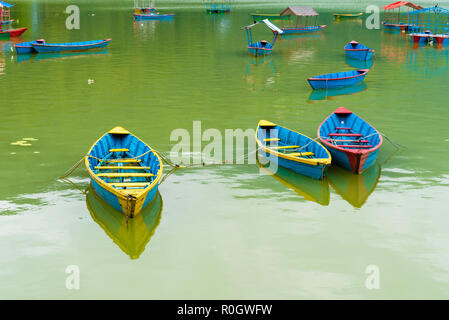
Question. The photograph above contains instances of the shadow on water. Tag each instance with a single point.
(131, 236)
(334, 92)
(308, 188)
(354, 188)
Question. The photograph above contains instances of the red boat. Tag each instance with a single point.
(13, 32)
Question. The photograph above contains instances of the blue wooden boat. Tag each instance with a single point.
(338, 79)
(153, 16)
(70, 46)
(263, 47)
(358, 51)
(7, 22)
(26, 47)
(292, 150)
(352, 142)
(124, 171)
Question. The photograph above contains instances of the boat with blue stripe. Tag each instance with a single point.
(153, 16)
(27, 47)
(70, 46)
(124, 171)
(292, 150)
(352, 142)
(338, 79)
(263, 47)
(356, 50)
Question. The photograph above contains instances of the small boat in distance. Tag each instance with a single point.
(352, 142)
(347, 15)
(358, 51)
(153, 15)
(11, 33)
(301, 13)
(26, 47)
(338, 79)
(124, 171)
(70, 46)
(293, 150)
(263, 47)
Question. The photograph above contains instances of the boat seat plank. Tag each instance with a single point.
(345, 135)
(123, 160)
(271, 139)
(124, 174)
(355, 146)
(119, 150)
(301, 154)
(122, 168)
(130, 184)
(343, 128)
(349, 140)
(285, 147)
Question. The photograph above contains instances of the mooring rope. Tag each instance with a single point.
(73, 168)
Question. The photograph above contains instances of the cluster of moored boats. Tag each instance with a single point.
(126, 172)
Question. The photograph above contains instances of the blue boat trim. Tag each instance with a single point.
(358, 51)
(71, 46)
(338, 79)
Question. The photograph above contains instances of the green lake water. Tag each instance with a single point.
(218, 231)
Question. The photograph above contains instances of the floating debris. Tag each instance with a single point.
(30, 139)
(12, 153)
(36, 152)
(22, 143)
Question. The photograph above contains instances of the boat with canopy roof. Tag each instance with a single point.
(263, 47)
(393, 19)
(302, 20)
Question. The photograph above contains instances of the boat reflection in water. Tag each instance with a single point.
(359, 64)
(323, 94)
(308, 188)
(260, 71)
(354, 188)
(68, 55)
(131, 236)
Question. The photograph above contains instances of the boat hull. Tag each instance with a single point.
(77, 46)
(143, 17)
(313, 163)
(338, 82)
(11, 33)
(257, 49)
(347, 15)
(345, 150)
(362, 54)
(126, 187)
(26, 47)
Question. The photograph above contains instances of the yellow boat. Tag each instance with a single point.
(124, 171)
(347, 15)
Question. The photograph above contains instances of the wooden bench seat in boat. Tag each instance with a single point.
(123, 160)
(122, 168)
(301, 154)
(119, 150)
(345, 135)
(343, 128)
(271, 139)
(342, 140)
(130, 184)
(124, 174)
(284, 147)
(354, 146)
